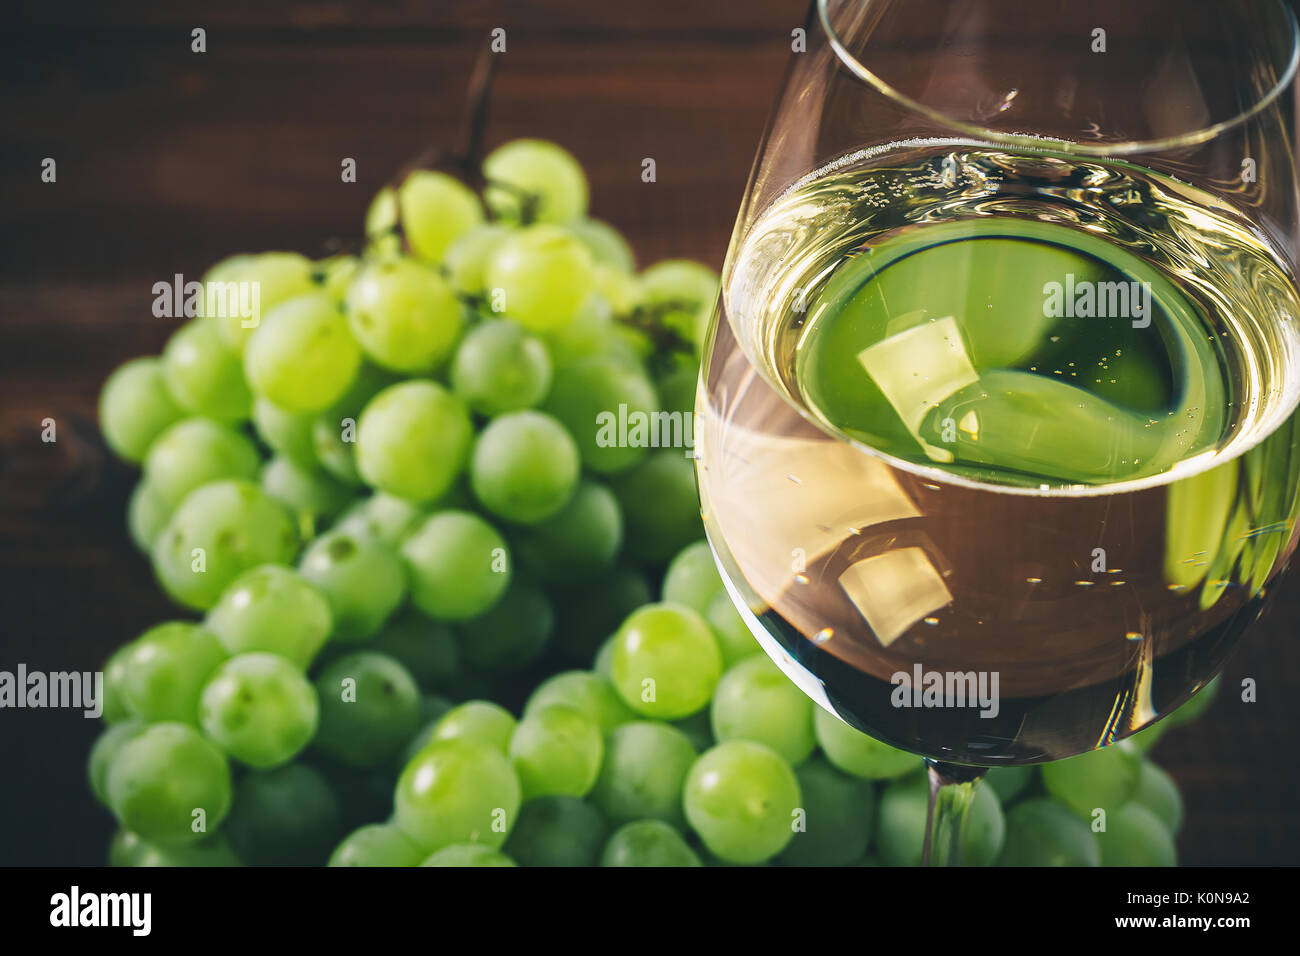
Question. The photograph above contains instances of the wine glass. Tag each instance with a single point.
(997, 440)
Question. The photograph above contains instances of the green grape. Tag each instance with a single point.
(229, 269)
(413, 439)
(332, 451)
(425, 648)
(589, 395)
(278, 277)
(666, 662)
(432, 709)
(685, 293)
(603, 662)
(647, 843)
(534, 180)
(106, 746)
(500, 367)
(369, 707)
(478, 721)
(692, 578)
(166, 670)
(524, 467)
(436, 210)
(901, 818)
(605, 243)
(210, 851)
(540, 276)
(468, 256)
(578, 542)
(837, 817)
(376, 844)
(1157, 792)
(592, 331)
(590, 611)
(169, 784)
(468, 854)
(382, 516)
(622, 291)
(259, 709)
(311, 496)
(288, 816)
(660, 505)
(1042, 833)
(677, 387)
(334, 431)
(302, 357)
(698, 729)
(642, 775)
(135, 407)
(457, 791)
(362, 578)
(1135, 836)
(1148, 736)
(1009, 782)
(404, 314)
(1104, 779)
(217, 533)
(587, 692)
(858, 754)
(985, 829)
(755, 701)
(272, 609)
(512, 634)
(115, 706)
(381, 226)
(194, 452)
(556, 750)
(146, 516)
(557, 831)
(741, 798)
(735, 640)
(126, 848)
(204, 374)
(458, 565)
(335, 275)
(1194, 707)
(634, 344)
(285, 433)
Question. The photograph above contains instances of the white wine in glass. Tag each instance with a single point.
(997, 437)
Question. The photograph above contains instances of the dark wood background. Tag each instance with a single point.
(169, 160)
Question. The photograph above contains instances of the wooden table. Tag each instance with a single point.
(170, 159)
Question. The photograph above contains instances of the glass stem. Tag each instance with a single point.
(952, 791)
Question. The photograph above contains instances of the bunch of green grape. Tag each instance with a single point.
(386, 502)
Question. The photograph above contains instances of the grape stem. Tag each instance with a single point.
(467, 162)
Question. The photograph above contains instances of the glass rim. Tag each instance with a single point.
(1122, 148)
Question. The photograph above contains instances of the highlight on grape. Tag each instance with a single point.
(455, 606)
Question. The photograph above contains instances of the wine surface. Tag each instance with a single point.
(1001, 450)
